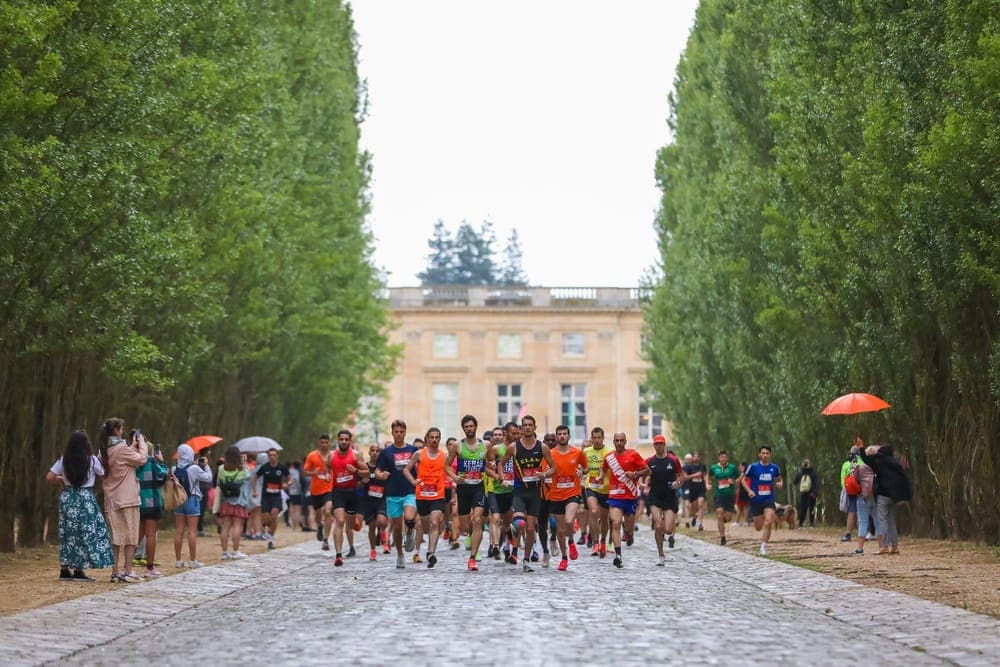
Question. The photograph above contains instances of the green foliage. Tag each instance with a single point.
(469, 258)
(828, 224)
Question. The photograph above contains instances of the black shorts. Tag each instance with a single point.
(666, 501)
(500, 503)
(726, 503)
(757, 509)
(372, 507)
(527, 501)
(469, 497)
(558, 507)
(697, 491)
(319, 501)
(602, 498)
(270, 501)
(425, 507)
(150, 513)
(295, 499)
(345, 499)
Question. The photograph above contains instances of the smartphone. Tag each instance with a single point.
(135, 436)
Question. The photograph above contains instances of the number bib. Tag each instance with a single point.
(530, 474)
(725, 484)
(428, 491)
(763, 489)
(473, 477)
(343, 479)
(616, 492)
(273, 487)
(565, 482)
(376, 491)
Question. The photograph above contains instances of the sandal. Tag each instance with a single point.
(883, 551)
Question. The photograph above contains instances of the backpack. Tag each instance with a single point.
(852, 485)
(182, 476)
(805, 484)
(230, 489)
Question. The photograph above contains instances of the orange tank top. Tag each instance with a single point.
(431, 474)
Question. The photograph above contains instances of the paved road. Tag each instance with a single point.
(710, 605)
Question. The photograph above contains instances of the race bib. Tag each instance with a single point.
(343, 479)
(725, 484)
(273, 487)
(530, 475)
(616, 492)
(376, 491)
(763, 489)
(428, 491)
(565, 482)
(401, 460)
(473, 477)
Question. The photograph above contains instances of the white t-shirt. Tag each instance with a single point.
(96, 470)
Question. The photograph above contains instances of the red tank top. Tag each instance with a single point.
(338, 467)
(431, 474)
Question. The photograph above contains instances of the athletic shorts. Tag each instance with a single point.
(602, 498)
(667, 502)
(319, 501)
(448, 494)
(295, 499)
(270, 501)
(470, 496)
(425, 507)
(500, 503)
(697, 491)
(559, 506)
(527, 502)
(373, 507)
(345, 499)
(627, 507)
(726, 503)
(757, 509)
(394, 504)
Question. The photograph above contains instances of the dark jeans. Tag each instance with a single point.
(807, 507)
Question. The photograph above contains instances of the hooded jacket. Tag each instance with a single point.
(890, 478)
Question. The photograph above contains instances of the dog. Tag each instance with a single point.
(786, 514)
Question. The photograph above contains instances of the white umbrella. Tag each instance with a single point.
(256, 443)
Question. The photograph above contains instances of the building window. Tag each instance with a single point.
(509, 346)
(444, 405)
(650, 421)
(508, 403)
(445, 346)
(572, 345)
(573, 410)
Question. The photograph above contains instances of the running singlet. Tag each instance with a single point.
(724, 479)
(597, 480)
(315, 466)
(566, 481)
(507, 473)
(431, 474)
(528, 464)
(664, 475)
(392, 460)
(762, 478)
(375, 487)
(630, 461)
(472, 463)
(274, 476)
(342, 479)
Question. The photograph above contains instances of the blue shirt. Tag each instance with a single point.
(762, 478)
(393, 459)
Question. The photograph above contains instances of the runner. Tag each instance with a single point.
(400, 501)
(317, 466)
(760, 481)
(499, 495)
(450, 527)
(470, 457)
(374, 505)
(546, 522)
(666, 475)
(348, 468)
(625, 467)
(696, 472)
(565, 492)
(276, 477)
(431, 471)
(596, 492)
(742, 499)
(527, 453)
(724, 476)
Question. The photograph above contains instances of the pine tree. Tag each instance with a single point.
(474, 254)
(441, 269)
(512, 271)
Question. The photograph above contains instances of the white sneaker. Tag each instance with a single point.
(178, 563)
(194, 565)
(225, 555)
(545, 560)
(237, 555)
(662, 561)
(763, 549)
(869, 536)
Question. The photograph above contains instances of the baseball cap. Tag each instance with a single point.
(659, 438)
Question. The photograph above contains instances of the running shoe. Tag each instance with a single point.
(661, 561)
(468, 542)
(545, 559)
(193, 564)
(351, 553)
(431, 560)
(385, 547)
(670, 541)
(225, 555)
(701, 527)
(525, 568)
(582, 540)
(178, 564)
(237, 555)
(408, 541)
(326, 545)
(371, 556)
(604, 550)
(400, 563)
(270, 544)
(512, 559)
(618, 562)
(846, 537)
(573, 553)
(629, 539)
(472, 565)
(417, 558)
(496, 552)
(596, 551)
(456, 545)
(338, 561)
(563, 565)
(319, 533)
(722, 541)
(858, 552)
(590, 540)
(763, 549)
(534, 556)
(869, 536)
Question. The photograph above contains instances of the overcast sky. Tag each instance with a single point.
(544, 116)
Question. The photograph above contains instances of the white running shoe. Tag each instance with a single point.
(662, 561)
(237, 555)
(193, 564)
(763, 548)
(178, 564)
(225, 555)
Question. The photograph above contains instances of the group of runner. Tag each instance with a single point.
(516, 488)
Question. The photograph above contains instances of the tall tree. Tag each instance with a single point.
(441, 260)
(510, 263)
(474, 254)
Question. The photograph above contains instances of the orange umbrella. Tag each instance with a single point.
(200, 442)
(852, 404)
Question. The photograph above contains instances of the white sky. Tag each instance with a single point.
(539, 115)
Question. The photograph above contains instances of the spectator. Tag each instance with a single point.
(866, 505)
(189, 474)
(295, 496)
(84, 541)
(892, 486)
(255, 529)
(151, 475)
(232, 495)
(121, 495)
(849, 504)
(206, 506)
(807, 482)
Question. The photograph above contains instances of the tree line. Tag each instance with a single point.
(829, 223)
(182, 243)
(469, 257)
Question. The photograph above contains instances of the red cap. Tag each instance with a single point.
(659, 438)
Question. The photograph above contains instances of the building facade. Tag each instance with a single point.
(564, 355)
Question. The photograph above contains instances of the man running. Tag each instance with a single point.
(431, 470)
(374, 504)
(760, 481)
(596, 491)
(695, 472)
(564, 492)
(471, 457)
(625, 467)
(348, 468)
(276, 478)
(500, 494)
(527, 453)
(400, 500)
(666, 475)
(724, 477)
(317, 466)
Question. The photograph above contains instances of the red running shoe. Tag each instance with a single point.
(596, 551)
(604, 550)
(563, 564)
(338, 561)
(371, 556)
(472, 565)
(573, 553)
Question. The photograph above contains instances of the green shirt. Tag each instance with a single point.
(724, 479)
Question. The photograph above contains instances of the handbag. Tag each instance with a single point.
(174, 494)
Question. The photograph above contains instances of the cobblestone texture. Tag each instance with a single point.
(709, 605)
